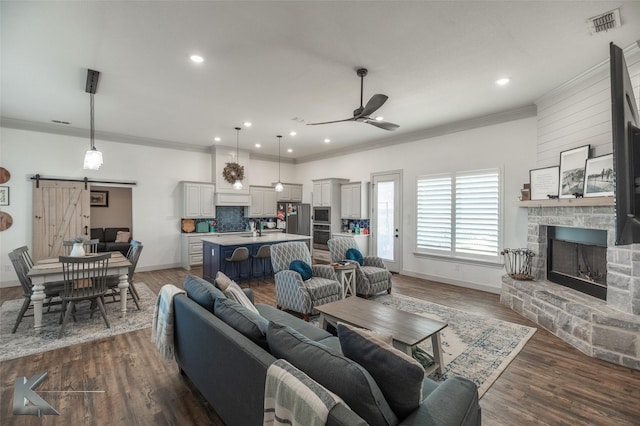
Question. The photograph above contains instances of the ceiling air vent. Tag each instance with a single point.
(604, 22)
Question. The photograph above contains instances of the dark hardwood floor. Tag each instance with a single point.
(549, 382)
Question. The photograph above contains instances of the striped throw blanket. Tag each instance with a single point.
(162, 328)
(293, 398)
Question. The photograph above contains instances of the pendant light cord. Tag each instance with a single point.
(92, 122)
(279, 139)
(237, 144)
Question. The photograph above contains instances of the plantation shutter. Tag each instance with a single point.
(434, 209)
(477, 210)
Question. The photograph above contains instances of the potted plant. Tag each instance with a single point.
(78, 247)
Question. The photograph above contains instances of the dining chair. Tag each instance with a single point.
(84, 279)
(21, 265)
(90, 246)
(112, 281)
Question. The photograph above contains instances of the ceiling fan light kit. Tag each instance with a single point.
(362, 113)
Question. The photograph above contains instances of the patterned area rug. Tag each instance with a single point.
(475, 347)
(26, 342)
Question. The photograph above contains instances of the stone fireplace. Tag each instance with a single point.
(605, 326)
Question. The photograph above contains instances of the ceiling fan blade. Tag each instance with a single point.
(329, 122)
(372, 106)
(382, 124)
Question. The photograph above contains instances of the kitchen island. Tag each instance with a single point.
(219, 247)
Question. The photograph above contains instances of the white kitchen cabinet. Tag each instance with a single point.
(198, 200)
(355, 200)
(326, 193)
(263, 202)
(221, 155)
(290, 192)
(236, 199)
(191, 250)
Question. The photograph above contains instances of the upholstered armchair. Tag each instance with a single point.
(292, 292)
(372, 276)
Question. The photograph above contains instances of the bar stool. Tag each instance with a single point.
(239, 255)
(263, 253)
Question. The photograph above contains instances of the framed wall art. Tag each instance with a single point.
(572, 165)
(599, 177)
(99, 198)
(4, 195)
(544, 182)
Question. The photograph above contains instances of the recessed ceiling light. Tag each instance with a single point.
(292, 133)
(290, 150)
(503, 81)
(379, 118)
(197, 59)
(217, 139)
(327, 140)
(258, 145)
(247, 124)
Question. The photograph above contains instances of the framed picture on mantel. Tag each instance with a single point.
(544, 182)
(572, 164)
(599, 177)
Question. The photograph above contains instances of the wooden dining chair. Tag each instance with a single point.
(84, 279)
(20, 259)
(132, 255)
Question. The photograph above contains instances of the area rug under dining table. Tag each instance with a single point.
(475, 347)
(26, 342)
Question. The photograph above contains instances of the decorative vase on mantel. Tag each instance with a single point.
(77, 250)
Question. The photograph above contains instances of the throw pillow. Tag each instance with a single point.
(301, 267)
(354, 254)
(384, 337)
(202, 292)
(252, 325)
(338, 374)
(122, 237)
(399, 376)
(234, 292)
(222, 281)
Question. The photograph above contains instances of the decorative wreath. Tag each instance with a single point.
(233, 172)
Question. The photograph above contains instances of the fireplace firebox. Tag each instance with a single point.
(577, 258)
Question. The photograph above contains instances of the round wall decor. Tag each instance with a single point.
(233, 172)
(4, 175)
(5, 221)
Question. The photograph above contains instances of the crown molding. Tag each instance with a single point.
(459, 126)
(60, 129)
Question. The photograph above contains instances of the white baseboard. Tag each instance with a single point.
(157, 267)
(7, 284)
(445, 280)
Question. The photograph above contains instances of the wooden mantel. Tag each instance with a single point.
(569, 202)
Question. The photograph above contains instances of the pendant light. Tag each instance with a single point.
(237, 185)
(279, 186)
(93, 157)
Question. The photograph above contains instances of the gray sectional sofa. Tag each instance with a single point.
(226, 357)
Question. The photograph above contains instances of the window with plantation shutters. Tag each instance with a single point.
(458, 214)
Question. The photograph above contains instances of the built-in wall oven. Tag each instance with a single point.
(322, 215)
(321, 234)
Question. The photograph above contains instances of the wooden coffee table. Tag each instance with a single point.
(406, 328)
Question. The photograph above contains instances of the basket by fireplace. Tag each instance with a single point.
(517, 262)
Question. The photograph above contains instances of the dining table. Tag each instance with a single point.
(50, 271)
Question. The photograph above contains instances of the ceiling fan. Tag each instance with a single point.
(362, 114)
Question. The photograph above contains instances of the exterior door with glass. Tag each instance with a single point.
(387, 218)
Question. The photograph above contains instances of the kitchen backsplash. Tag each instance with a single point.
(231, 219)
(360, 223)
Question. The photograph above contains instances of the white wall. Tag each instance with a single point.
(510, 146)
(156, 198)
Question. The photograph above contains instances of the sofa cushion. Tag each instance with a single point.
(202, 292)
(111, 233)
(247, 322)
(399, 376)
(340, 375)
(122, 237)
(301, 267)
(284, 318)
(222, 281)
(234, 292)
(354, 254)
(97, 233)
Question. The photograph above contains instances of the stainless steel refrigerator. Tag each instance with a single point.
(297, 217)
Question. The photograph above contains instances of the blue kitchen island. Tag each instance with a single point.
(217, 248)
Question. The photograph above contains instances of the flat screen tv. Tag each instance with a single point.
(626, 150)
